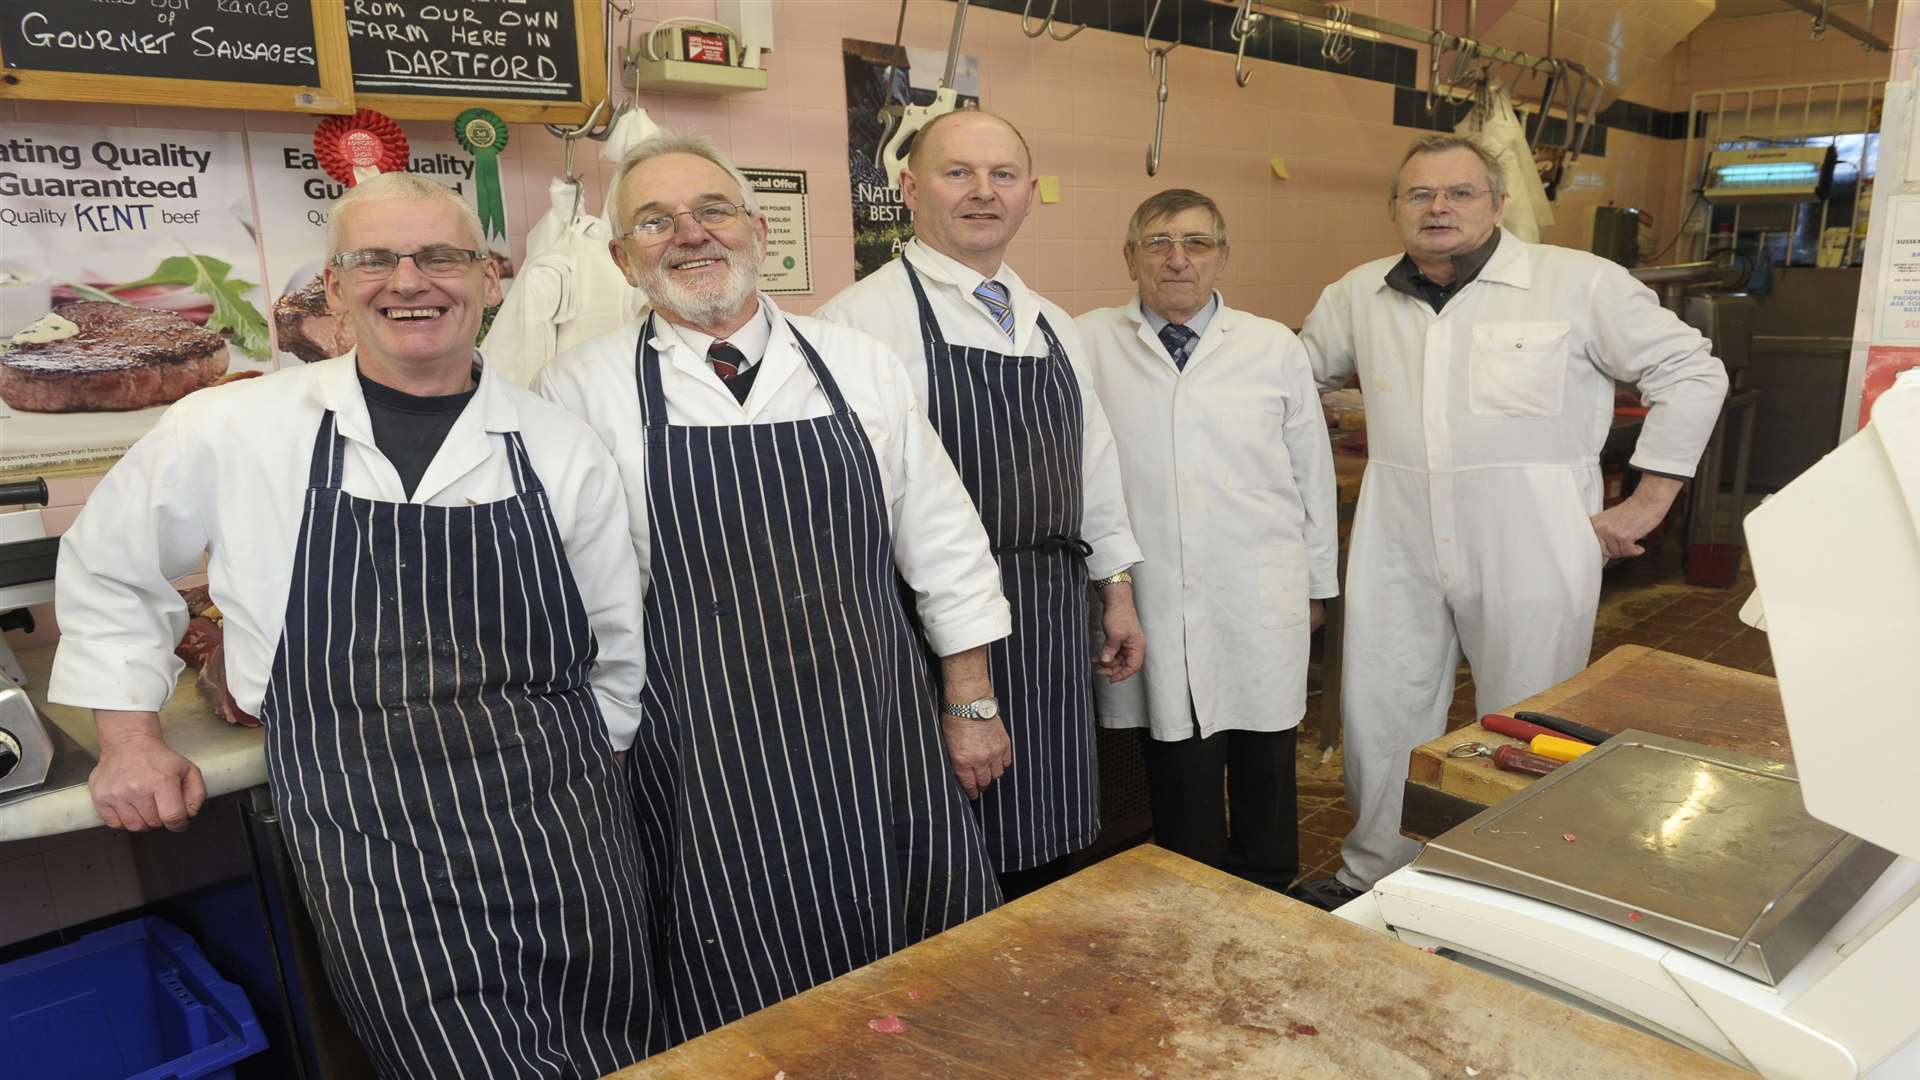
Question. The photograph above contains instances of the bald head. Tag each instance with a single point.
(927, 140)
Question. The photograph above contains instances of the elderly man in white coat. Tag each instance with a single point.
(1002, 375)
(797, 814)
(1230, 487)
(438, 634)
(1488, 366)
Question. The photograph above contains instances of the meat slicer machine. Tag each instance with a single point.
(30, 747)
(1762, 913)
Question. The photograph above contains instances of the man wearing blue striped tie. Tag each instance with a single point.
(1001, 374)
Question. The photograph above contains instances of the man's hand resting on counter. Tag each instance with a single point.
(140, 783)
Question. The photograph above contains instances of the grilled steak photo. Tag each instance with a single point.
(306, 327)
(122, 358)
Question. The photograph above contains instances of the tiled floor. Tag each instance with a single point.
(1644, 602)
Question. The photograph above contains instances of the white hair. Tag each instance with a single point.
(402, 186)
(660, 144)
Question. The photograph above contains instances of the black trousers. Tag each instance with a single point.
(1195, 782)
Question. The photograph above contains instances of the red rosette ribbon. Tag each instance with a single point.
(352, 148)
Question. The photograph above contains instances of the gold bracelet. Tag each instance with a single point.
(1121, 578)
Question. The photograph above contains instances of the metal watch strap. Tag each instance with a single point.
(1124, 577)
(970, 710)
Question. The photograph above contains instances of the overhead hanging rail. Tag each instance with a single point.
(1824, 20)
(1338, 19)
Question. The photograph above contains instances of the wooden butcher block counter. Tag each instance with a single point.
(1631, 687)
(1151, 965)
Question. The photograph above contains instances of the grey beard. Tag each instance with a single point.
(743, 276)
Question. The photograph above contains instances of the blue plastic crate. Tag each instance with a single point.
(136, 1001)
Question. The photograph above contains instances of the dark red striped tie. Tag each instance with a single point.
(726, 360)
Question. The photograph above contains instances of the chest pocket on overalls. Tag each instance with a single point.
(1517, 369)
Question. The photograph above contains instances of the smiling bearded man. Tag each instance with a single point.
(796, 813)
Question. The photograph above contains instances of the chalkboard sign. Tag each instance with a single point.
(524, 59)
(256, 54)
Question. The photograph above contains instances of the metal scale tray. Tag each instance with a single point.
(1708, 850)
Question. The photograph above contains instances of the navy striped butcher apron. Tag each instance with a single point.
(796, 810)
(1014, 428)
(445, 783)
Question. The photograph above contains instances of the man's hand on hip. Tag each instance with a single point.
(1621, 527)
(979, 749)
(140, 783)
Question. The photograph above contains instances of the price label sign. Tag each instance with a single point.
(702, 47)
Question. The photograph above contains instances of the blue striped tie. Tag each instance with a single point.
(1179, 342)
(999, 305)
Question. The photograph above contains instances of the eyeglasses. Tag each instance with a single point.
(1195, 246)
(374, 264)
(1464, 195)
(711, 216)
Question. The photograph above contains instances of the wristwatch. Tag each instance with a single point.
(985, 708)
(1121, 578)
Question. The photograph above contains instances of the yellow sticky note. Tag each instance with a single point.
(1279, 167)
(1049, 189)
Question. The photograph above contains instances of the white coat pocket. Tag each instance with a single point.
(1517, 369)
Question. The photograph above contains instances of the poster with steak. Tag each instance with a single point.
(128, 279)
(294, 193)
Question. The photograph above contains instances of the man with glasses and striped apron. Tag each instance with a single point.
(997, 370)
(428, 613)
(796, 811)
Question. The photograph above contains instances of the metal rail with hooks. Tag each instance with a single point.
(1046, 27)
(594, 128)
(1824, 20)
(1157, 63)
(1466, 50)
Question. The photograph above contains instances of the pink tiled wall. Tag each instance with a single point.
(1087, 107)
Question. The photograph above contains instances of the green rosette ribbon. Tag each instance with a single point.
(484, 135)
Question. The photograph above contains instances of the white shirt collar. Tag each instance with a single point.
(1197, 324)
(751, 339)
(950, 271)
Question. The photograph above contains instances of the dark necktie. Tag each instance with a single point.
(1179, 342)
(726, 360)
(728, 363)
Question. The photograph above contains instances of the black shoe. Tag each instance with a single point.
(1325, 893)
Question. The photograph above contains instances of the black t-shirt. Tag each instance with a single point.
(410, 429)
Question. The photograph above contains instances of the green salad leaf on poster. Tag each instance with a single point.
(88, 292)
(208, 277)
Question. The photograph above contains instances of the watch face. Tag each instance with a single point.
(986, 708)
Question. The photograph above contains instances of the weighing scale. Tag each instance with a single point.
(1761, 913)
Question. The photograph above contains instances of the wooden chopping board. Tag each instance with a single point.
(1151, 965)
(1631, 687)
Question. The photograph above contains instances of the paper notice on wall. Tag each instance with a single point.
(788, 268)
(128, 279)
(294, 194)
(1899, 293)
